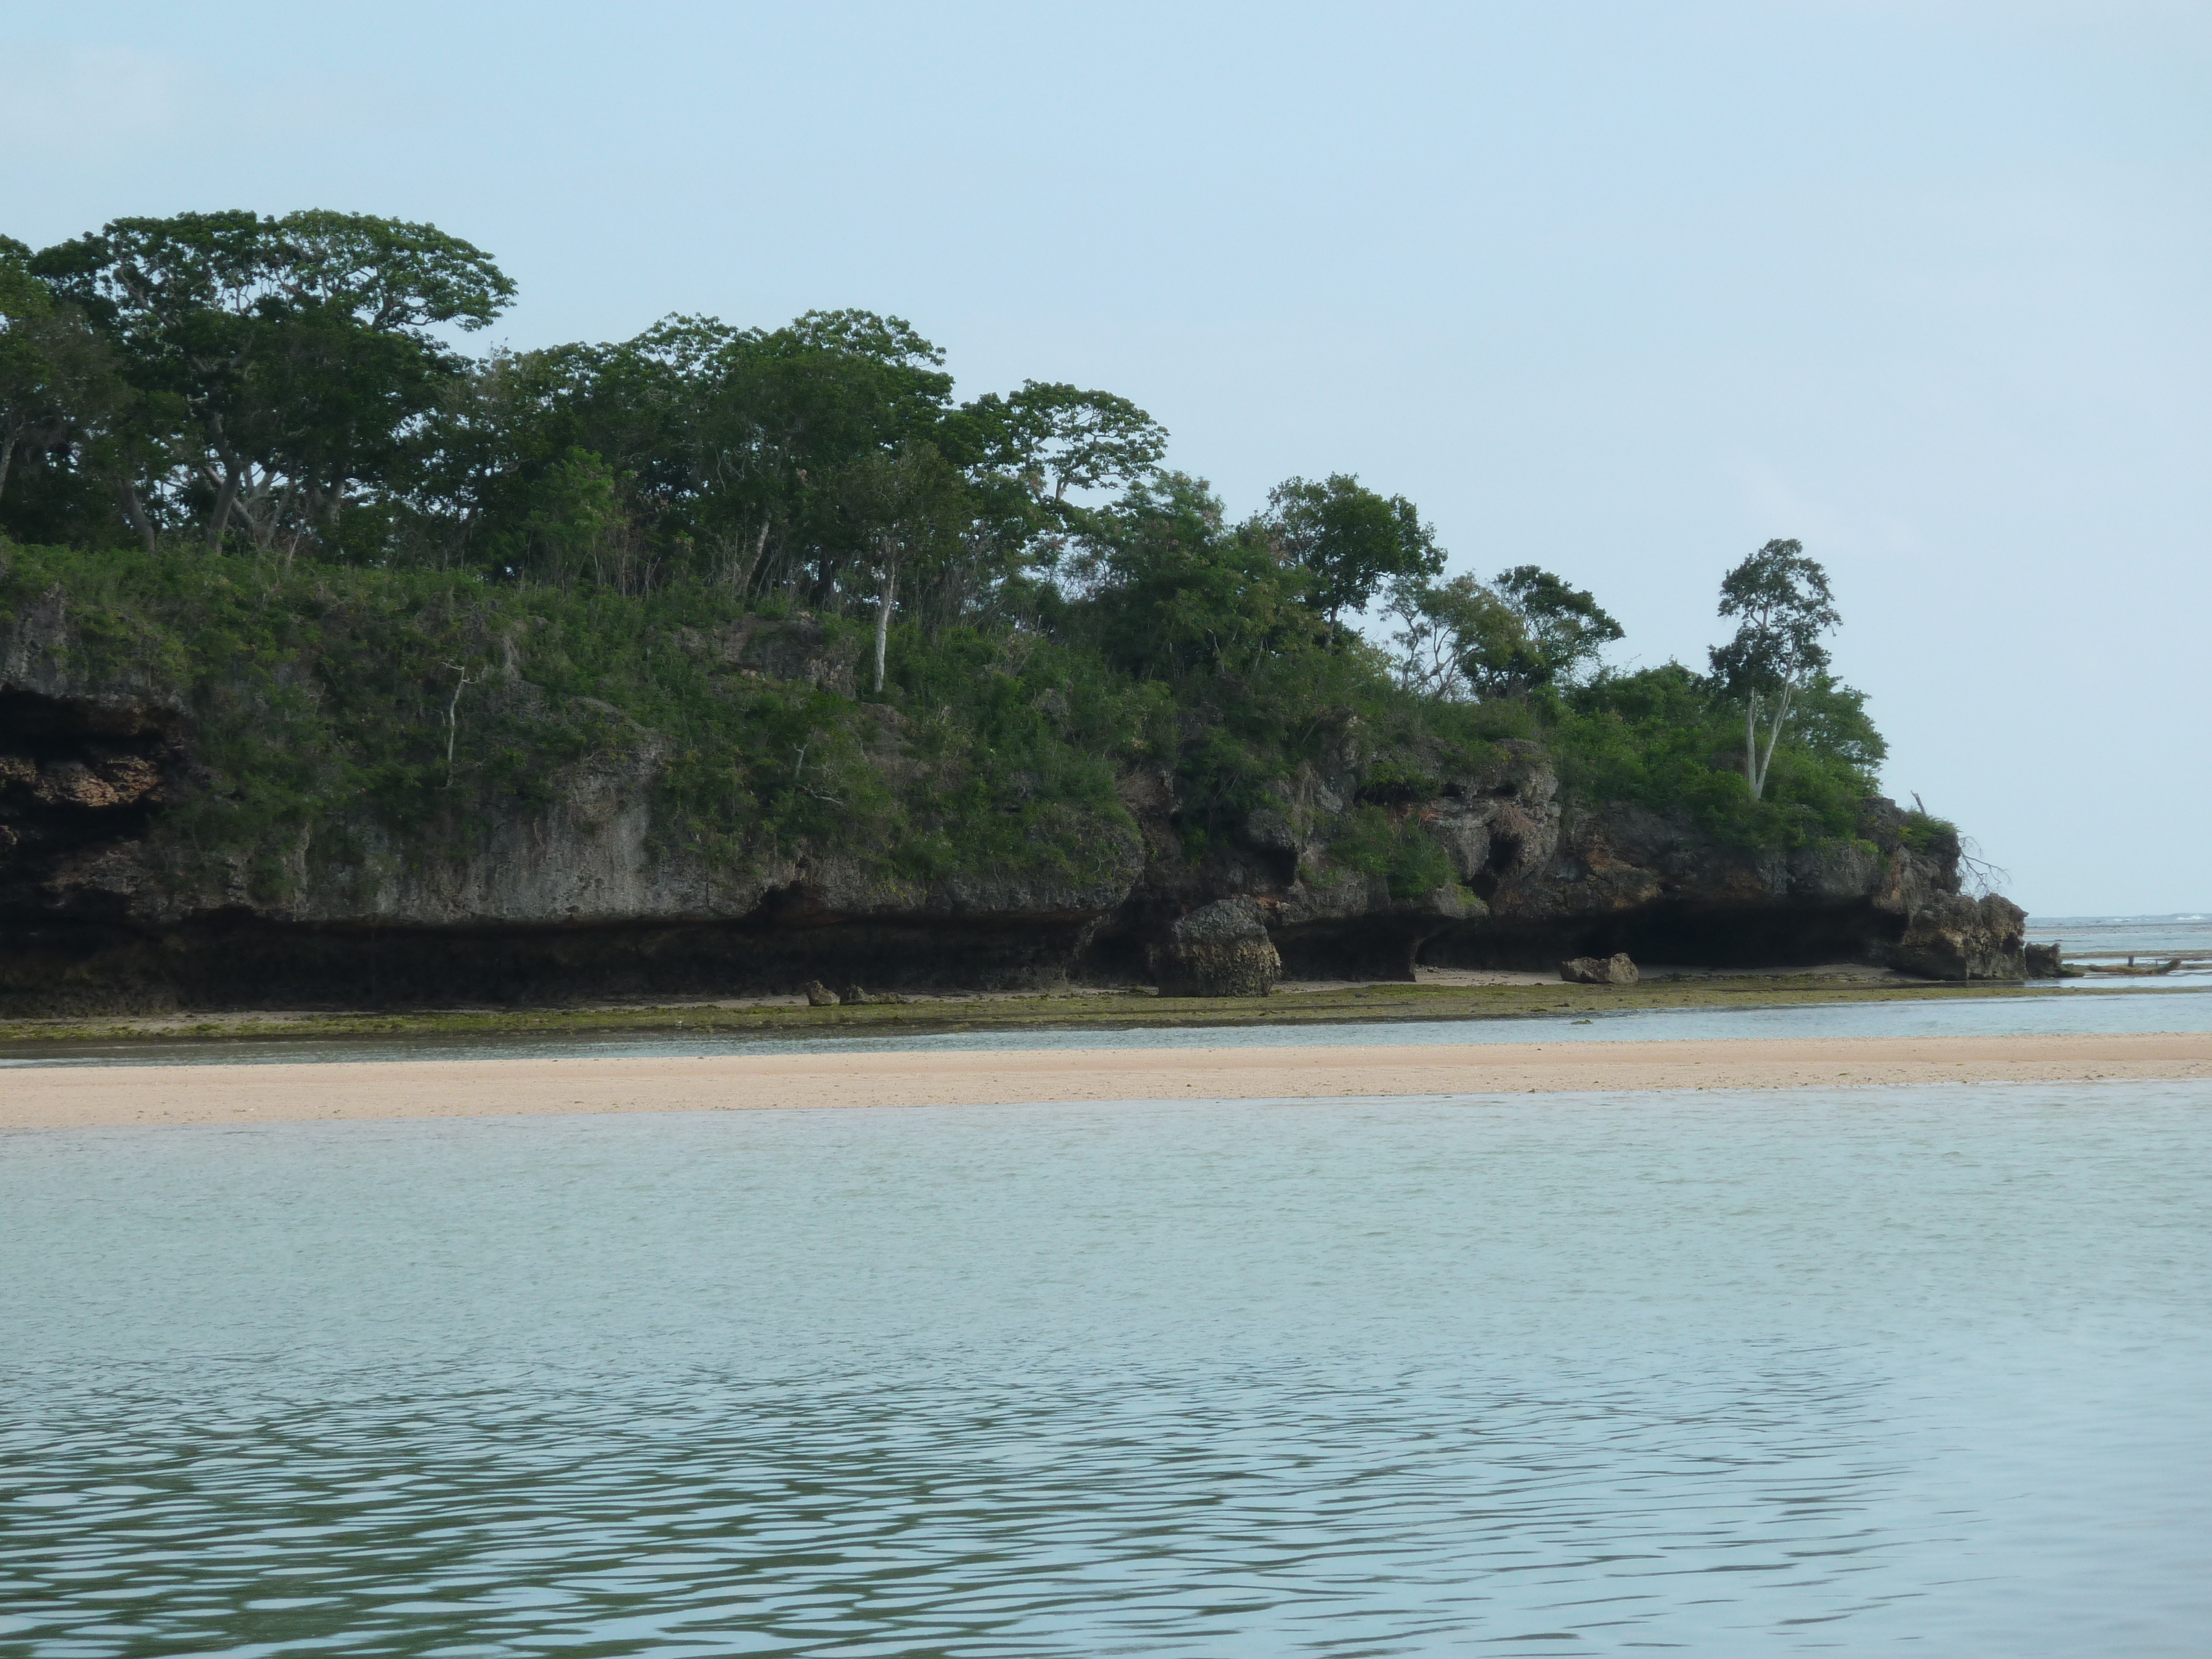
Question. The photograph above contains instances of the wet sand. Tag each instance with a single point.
(80, 1097)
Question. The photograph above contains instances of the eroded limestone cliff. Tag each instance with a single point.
(572, 890)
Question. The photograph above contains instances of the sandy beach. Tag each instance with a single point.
(78, 1097)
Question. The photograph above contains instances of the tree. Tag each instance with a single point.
(1056, 437)
(1457, 639)
(298, 348)
(1783, 599)
(27, 400)
(577, 519)
(1348, 541)
(1462, 638)
(1566, 627)
(906, 509)
(1172, 591)
(63, 407)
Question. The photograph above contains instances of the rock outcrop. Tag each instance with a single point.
(1956, 938)
(1219, 949)
(573, 889)
(1615, 969)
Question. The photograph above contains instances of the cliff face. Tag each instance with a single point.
(1533, 882)
(573, 890)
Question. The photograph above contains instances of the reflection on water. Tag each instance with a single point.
(1267, 1511)
(1773, 1373)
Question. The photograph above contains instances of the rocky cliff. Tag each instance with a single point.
(571, 888)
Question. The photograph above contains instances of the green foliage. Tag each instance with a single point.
(1376, 841)
(1057, 437)
(1783, 604)
(1924, 832)
(1346, 540)
(1781, 599)
(1459, 639)
(1564, 627)
(319, 697)
(1175, 593)
(1527, 631)
(405, 589)
(1667, 738)
(279, 364)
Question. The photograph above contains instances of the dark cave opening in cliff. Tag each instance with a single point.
(1505, 852)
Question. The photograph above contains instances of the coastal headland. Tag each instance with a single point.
(88, 1096)
(731, 662)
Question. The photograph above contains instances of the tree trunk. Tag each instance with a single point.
(226, 498)
(134, 511)
(1773, 736)
(884, 619)
(742, 584)
(453, 719)
(8, 442)
(1751, 743)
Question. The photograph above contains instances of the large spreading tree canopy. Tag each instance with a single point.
(294, 352)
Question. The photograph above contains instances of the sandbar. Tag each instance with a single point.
(93, 1096)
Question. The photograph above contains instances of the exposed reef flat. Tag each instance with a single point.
(1511, 998)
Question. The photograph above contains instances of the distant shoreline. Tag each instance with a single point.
(108, 1096)
(1497, 996)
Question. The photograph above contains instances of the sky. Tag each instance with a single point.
(1622, 290)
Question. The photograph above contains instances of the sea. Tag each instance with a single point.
(2183, 939)
(1856, 1370)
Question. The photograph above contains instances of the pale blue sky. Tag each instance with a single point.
(1624, 291)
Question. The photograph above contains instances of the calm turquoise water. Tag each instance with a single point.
(1921, 1370)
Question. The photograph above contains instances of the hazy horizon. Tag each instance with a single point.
(1619, 292)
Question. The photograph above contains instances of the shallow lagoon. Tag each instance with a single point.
(1813, 1371)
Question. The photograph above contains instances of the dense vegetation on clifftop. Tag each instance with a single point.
(822, 603)
(431, 700)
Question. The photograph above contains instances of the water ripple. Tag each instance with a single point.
(1720, 1375)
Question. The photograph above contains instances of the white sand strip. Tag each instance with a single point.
(84, 1096)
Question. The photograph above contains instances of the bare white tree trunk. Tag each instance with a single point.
(1773, 736)
(453, 716)
(884, 618)
(1756, 759)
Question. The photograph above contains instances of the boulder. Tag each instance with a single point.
(819, 995)
(1615, 969)
(1219, 949)
(1958, 938)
